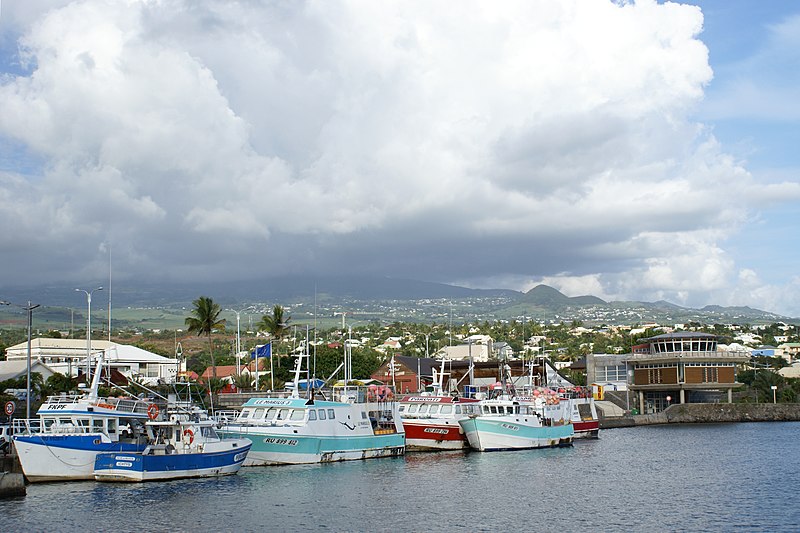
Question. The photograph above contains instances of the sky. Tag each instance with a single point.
(630, 150)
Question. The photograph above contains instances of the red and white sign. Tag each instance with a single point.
(10, 406)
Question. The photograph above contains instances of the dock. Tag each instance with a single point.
(707, 413)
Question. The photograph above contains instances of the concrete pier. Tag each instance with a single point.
(709, 413)
(11, 485)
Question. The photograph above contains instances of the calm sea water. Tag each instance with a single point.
(731, 477)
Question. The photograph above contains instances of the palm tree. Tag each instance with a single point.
(275, 324)
(204, 320)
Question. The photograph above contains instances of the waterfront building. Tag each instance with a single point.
(609, 371)
(683, 367)
(68, 356)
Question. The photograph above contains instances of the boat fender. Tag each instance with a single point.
(188, 434)
(152, 411)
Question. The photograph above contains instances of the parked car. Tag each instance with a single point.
(6, 430)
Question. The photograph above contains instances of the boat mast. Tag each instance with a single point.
(93, 392)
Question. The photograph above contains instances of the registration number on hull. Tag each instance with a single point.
(284, 442)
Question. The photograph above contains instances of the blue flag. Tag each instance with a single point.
(262, 351)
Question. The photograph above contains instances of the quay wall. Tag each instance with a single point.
(709, 413)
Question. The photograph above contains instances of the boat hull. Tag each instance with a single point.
(587, 429)
(423, 435)
(138, 467)
(514, 433)
(285, 448)
(64, 457)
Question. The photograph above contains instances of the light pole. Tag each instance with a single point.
(88, 330)
(774, 397)
(29, 308)
(238, 335)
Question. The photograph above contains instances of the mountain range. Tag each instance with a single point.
(353, 291)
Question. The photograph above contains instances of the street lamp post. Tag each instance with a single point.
(774, 393)
(29, 308)
(88, 330)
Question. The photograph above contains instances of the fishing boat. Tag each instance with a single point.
(185, 445)
(583, 413)
(430, 420)
(357, 422)
(509, 422)
(63, 442)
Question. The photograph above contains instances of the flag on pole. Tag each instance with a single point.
(261, 351)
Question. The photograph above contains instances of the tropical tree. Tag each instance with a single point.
(204, 320)
(243, 381)
(276, 324)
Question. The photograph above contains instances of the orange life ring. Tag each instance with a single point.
(188, 433)
(152, 411)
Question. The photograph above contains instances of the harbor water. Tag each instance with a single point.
(725, 477)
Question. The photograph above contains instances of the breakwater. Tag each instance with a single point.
(709, 413)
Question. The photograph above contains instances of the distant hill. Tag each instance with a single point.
(545, 296)
(404, 299)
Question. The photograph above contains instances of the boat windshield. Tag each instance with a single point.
(208, 432)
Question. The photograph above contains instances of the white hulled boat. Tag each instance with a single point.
(356, 423)
(509, 422)
(62, 443)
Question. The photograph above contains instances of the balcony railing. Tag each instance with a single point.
(737, 355)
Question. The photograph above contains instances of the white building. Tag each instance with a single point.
(68, 356)
(17, 369)
(460, 352)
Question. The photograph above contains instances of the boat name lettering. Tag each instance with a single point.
(438, 431)
(424, 399)
(125, 458)
(511, 427)
(239, 457)
(124, 464)
(272, 402)
(54, 406)
(287, 442)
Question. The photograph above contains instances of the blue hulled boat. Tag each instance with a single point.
(185, 445)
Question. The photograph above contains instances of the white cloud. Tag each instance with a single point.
(553, 137)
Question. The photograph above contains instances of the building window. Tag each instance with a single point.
(711, 375)
(654, 375)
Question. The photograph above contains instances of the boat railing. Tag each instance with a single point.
(128, 405)
(33, 426)
(64, 399)
(26, 426)
(225, 417)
